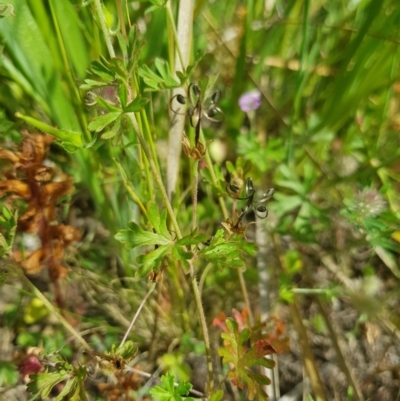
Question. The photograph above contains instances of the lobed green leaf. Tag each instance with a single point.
(136, 236)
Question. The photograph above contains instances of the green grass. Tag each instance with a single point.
(325, 137)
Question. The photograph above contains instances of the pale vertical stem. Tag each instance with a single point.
(265, 304)
(184, 37)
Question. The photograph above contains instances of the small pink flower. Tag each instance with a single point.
(30, 366)
(250, 100)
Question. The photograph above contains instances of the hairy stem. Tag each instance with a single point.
(195, 191)
(225, 214)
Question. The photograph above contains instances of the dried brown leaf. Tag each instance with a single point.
(17, 187)
(34, 263)
(53, 190)
(34, 147)
(66, 234)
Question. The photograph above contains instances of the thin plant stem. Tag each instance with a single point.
(156, 175)
(171, 213)
(203, 324)
(151, 289)
(308, 356)
(145, 161)
(264, 289)
(245, 296)
(149, 137)
(130, 188)
(172, 24)
(339, 354)
(121, 17)
(103, 26)
(195, 192)
(18, 271)
(225, 214)
(167, 204)
(214, 178)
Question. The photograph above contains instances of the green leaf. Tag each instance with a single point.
(152, 260)
(170, 392)
(192, 239)
(73, 35)
(108, 106)
(157, 82)
(127, 350)
(123, 95)
(68, 388)
(68, 138)
(90, 84)
(285, 203)
(136, 105)
(136, 236)
(118, 66)
(8, 374)
(224, 253)
(115, 129)
(179, 253)
(123, 46)
(44, 382)
(217, 396)
(242, 357)
(184, 76)
(102, 71)
(158, 222)
(101, 122)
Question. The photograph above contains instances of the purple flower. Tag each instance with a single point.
(250, 100)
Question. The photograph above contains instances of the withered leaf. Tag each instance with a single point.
(197, 152)
(34, 263)
(17, 187)
(53, 190)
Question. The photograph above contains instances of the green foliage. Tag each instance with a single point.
(160, 81)
(262, 157)
(175, 364)
(160, 237)
(8, 224)
(126, 351)
(221, 252)
(69, 140)
(8, 374)
(42, 383)
(170, 392)
(237, 354)
(227, 253)
(325, 137)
